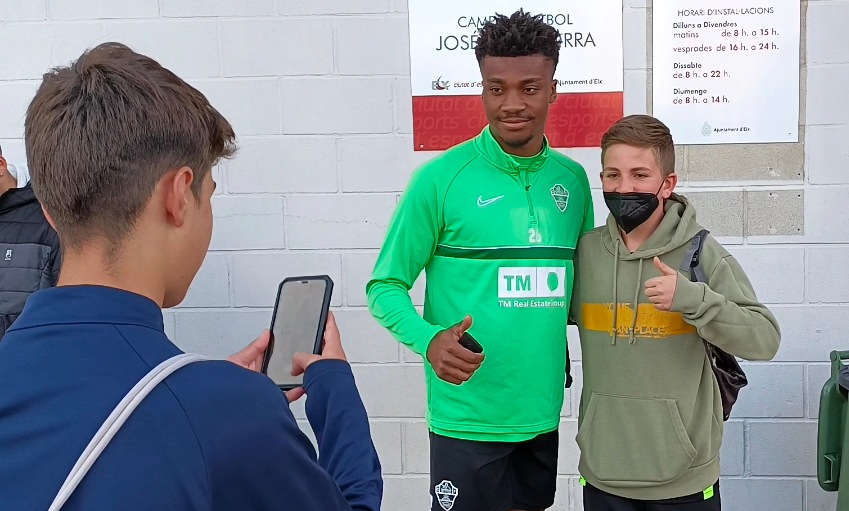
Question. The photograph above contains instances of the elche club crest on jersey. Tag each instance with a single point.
(560, 196)
(446, 492)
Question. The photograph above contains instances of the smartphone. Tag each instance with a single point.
(297, 324)
(470, 343)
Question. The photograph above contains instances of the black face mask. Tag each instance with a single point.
(630, 210)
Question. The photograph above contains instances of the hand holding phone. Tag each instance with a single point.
(297, 326)
(449, 358)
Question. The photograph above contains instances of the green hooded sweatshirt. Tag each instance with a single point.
(496, 235)
(650, 423)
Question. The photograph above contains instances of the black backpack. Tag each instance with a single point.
(729, 375)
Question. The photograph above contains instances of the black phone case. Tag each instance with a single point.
(322, 321)
(470, 343)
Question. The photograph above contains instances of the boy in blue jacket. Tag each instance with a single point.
(121, 151)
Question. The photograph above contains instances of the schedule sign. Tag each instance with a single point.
(727, 71)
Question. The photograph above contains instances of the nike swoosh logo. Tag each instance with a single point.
(482, 203)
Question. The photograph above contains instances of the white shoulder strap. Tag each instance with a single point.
(115, 420)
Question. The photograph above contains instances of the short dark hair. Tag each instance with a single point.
(646, 132)
(102, 132)
(519, 35)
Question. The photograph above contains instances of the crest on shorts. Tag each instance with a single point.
(560, 196)
(446, 492)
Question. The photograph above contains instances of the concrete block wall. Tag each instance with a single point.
(318, 92)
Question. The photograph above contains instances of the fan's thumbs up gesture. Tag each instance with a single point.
(661, 290)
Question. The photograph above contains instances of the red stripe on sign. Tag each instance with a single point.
(574, 120)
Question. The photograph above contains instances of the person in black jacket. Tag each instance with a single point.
(29, 247)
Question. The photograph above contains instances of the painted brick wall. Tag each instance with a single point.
(318, 93)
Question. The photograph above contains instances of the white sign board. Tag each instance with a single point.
(727, 72)
(443, 35)
(446, 81)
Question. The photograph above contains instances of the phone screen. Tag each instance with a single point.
(296, 324)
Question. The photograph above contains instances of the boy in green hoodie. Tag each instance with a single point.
(651, 420)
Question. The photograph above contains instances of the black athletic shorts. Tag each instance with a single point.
(597, 500)
(466, 475)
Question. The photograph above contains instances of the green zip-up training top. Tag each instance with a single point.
(495, 235)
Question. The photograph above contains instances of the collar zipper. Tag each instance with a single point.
(527, 185)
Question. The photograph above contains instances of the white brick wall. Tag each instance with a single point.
(318, 93)
(257, 112)
(215, 8)
(60, 10)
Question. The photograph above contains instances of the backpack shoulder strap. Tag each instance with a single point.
(115, 420)
(691, 264)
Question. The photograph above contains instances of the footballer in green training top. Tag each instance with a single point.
(493, 222)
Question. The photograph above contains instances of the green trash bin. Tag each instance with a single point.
(832, 439)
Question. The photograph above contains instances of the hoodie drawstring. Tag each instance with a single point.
(615, 329)
(615, 333)
(631, 339)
